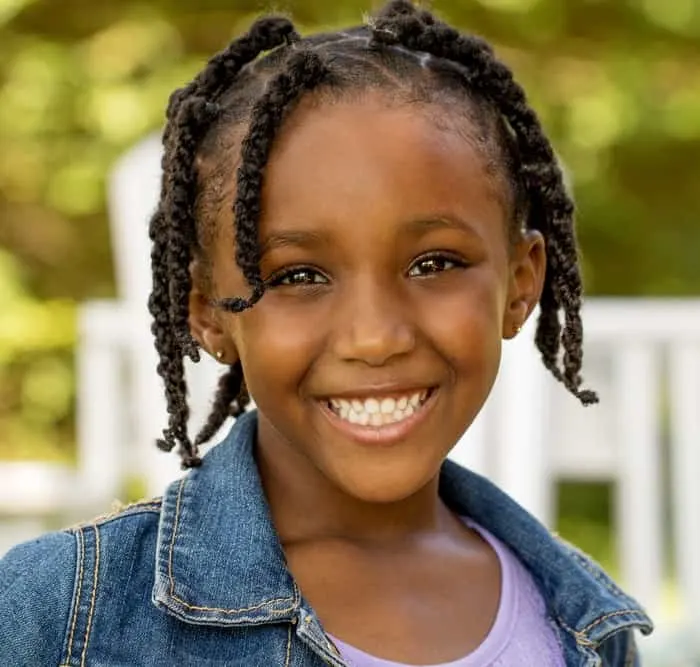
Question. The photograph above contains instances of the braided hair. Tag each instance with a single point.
(253, 85)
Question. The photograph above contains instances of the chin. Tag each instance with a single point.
(382, 487)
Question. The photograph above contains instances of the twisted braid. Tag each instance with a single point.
(265, 34)
(231, 400)
(551, 207)
(304, 71)
(190, 114)
(394, 52)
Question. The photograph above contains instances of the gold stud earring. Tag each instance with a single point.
(219, 354)
(518, 328)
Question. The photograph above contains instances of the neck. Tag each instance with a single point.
(305, 505)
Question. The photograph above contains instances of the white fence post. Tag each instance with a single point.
(639, 492)
(102, 400)
(685, 472)
(522, 461)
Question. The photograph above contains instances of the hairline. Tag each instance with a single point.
(217, 166)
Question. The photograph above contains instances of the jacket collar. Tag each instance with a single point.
(219, 560)
(578, 593)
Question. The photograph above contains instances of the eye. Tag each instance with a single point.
(297, 276)
(437, 263)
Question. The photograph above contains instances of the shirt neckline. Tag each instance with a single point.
(498, 635)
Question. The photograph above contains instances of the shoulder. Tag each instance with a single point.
(36, 590)
(594, 570)
(618, 649)
(43, 582)
(123, 519)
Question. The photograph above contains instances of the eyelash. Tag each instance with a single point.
(439, 257)
(278, 279)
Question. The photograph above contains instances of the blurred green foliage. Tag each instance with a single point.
(617, 83)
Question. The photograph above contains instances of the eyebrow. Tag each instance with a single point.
(421, 226)
(295, 238)
(313, 239)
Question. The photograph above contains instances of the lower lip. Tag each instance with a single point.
(388, 434)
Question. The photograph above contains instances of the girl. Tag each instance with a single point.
(350, 223)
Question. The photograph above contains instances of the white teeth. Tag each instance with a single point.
(378, 411)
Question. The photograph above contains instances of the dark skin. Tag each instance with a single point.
(402, 278)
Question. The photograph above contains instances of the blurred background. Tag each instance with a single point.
(83, 86)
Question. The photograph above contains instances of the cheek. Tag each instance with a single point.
(466, 322)
(278, 342)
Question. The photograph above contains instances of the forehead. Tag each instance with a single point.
(374, 155)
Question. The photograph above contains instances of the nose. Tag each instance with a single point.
(373, 325)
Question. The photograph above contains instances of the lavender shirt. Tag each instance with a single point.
(521, 634)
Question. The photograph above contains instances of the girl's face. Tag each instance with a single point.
(393, 283)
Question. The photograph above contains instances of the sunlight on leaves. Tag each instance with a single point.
(124, 48)
(28, 325)
(681, 113)
(677, 15)
(10, 8)
(520, 6)
(47, 391)
(598, 118)
(77, 188)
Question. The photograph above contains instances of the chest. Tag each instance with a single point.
(405, 606)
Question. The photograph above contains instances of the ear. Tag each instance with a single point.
(528, 263)
(206, 321)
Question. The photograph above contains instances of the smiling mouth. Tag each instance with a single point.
(380, 410)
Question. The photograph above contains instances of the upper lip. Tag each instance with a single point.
(384, 390)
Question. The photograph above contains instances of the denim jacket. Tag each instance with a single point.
(199, 578)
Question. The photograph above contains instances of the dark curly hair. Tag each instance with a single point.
(253, 85)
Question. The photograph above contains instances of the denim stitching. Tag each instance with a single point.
(128, 510)
(578, 636)
(235, 611)
(172, 537)
(289, 646)
(214, 609)
(79, 592)
(602, 619)
(94, 595)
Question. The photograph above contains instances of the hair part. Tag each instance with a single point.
(404, 51)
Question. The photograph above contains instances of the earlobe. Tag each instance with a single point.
(527, 273)
(207, 328)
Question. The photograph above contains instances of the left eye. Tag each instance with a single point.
(435, 264)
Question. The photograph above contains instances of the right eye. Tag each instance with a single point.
(299, 276)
